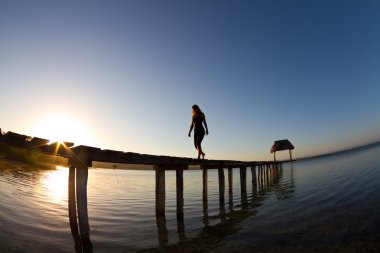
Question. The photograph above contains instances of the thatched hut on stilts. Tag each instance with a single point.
(282, 145)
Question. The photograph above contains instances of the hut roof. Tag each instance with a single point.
(281, 145)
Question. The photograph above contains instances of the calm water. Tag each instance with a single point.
(329, 204)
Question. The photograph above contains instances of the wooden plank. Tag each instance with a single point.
(15, 139)
(173, 166)
(56, 148)
(37, 142)
(135, 158)
(110, 156)
(83, 148)
(83, 155)
(210, 167)
(88, 154)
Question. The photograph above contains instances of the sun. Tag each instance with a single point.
(60, 127)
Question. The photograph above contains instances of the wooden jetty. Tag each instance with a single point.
(80, 158)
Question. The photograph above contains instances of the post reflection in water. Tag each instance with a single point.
(265, 179)
(163, 236)
(181, 230)
(206, 221)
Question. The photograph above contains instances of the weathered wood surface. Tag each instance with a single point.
(169, 162)
(89, 154)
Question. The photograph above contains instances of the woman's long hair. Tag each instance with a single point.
(197, 111)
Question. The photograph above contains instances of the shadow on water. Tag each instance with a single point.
(267, 181)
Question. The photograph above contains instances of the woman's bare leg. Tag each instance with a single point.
(200, 152)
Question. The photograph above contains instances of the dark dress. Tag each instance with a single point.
(199, 131)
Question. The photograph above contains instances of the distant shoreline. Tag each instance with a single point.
(366, 146)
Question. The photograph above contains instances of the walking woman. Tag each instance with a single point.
(197, 122)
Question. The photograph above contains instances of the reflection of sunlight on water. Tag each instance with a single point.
(55, 185)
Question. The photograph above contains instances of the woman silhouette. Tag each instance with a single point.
(197, 122)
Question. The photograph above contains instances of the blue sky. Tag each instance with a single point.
(125, 74)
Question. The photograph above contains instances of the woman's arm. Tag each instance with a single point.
(205, 123)
(191, 128)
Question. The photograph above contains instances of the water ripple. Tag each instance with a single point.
(318, 202)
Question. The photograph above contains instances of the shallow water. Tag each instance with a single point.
(325, 204)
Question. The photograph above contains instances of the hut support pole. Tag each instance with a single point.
(290, 154)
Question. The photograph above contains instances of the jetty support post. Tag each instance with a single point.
(179, 187)
(72, 206)
(160, 190)
(271, 166)
(205, 179)
(243, 179)
(230, 180)
(180, 202)
(221, 183)
(262, 174)
(79, 161)
(81, 186)
(258, 175)
(230, 188)
(253, 171)
(163, 237)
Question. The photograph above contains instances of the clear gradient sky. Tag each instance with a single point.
(123, 75)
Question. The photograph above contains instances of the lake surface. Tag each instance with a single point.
(328, 204)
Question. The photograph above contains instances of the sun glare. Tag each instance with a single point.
(60, 127)
(55, 184)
